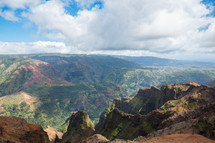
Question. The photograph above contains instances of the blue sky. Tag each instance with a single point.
(23, 31)
(179, 29)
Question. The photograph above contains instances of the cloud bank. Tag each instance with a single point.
(33, 47)
(154, 27)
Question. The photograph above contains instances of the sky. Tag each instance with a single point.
(177, 29)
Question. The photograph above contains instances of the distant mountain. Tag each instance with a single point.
(155, 61)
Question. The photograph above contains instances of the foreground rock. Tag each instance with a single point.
(80, 127)
(17, 130)
(176, 138)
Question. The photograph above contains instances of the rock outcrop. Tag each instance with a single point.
(17, 130)
(191, 110)
(80, 127)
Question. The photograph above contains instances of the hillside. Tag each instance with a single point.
(88, 68)
(45, 89)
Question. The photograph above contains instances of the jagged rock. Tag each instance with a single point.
(80, 127)
(53, 134)
(149, 99)
(17, 130)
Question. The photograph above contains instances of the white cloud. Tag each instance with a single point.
(151, 26)
(33, 47)
(13, 5)
(86, 3)
(19, 4)
(9, 15)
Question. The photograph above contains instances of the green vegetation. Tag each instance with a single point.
(126, 126)
(148, 128)
(120, 125)
(143, 78)
(169, 104)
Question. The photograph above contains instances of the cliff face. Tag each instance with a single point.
(80, 127)
(189, 109)
(14, 129)
(147, 100)
(127, 126)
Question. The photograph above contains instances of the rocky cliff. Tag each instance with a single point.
(188, 109)
(17, 130)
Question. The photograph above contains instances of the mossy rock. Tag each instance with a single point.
(80, 127)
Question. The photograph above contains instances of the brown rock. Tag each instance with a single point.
(53, 134)
(17, 130)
